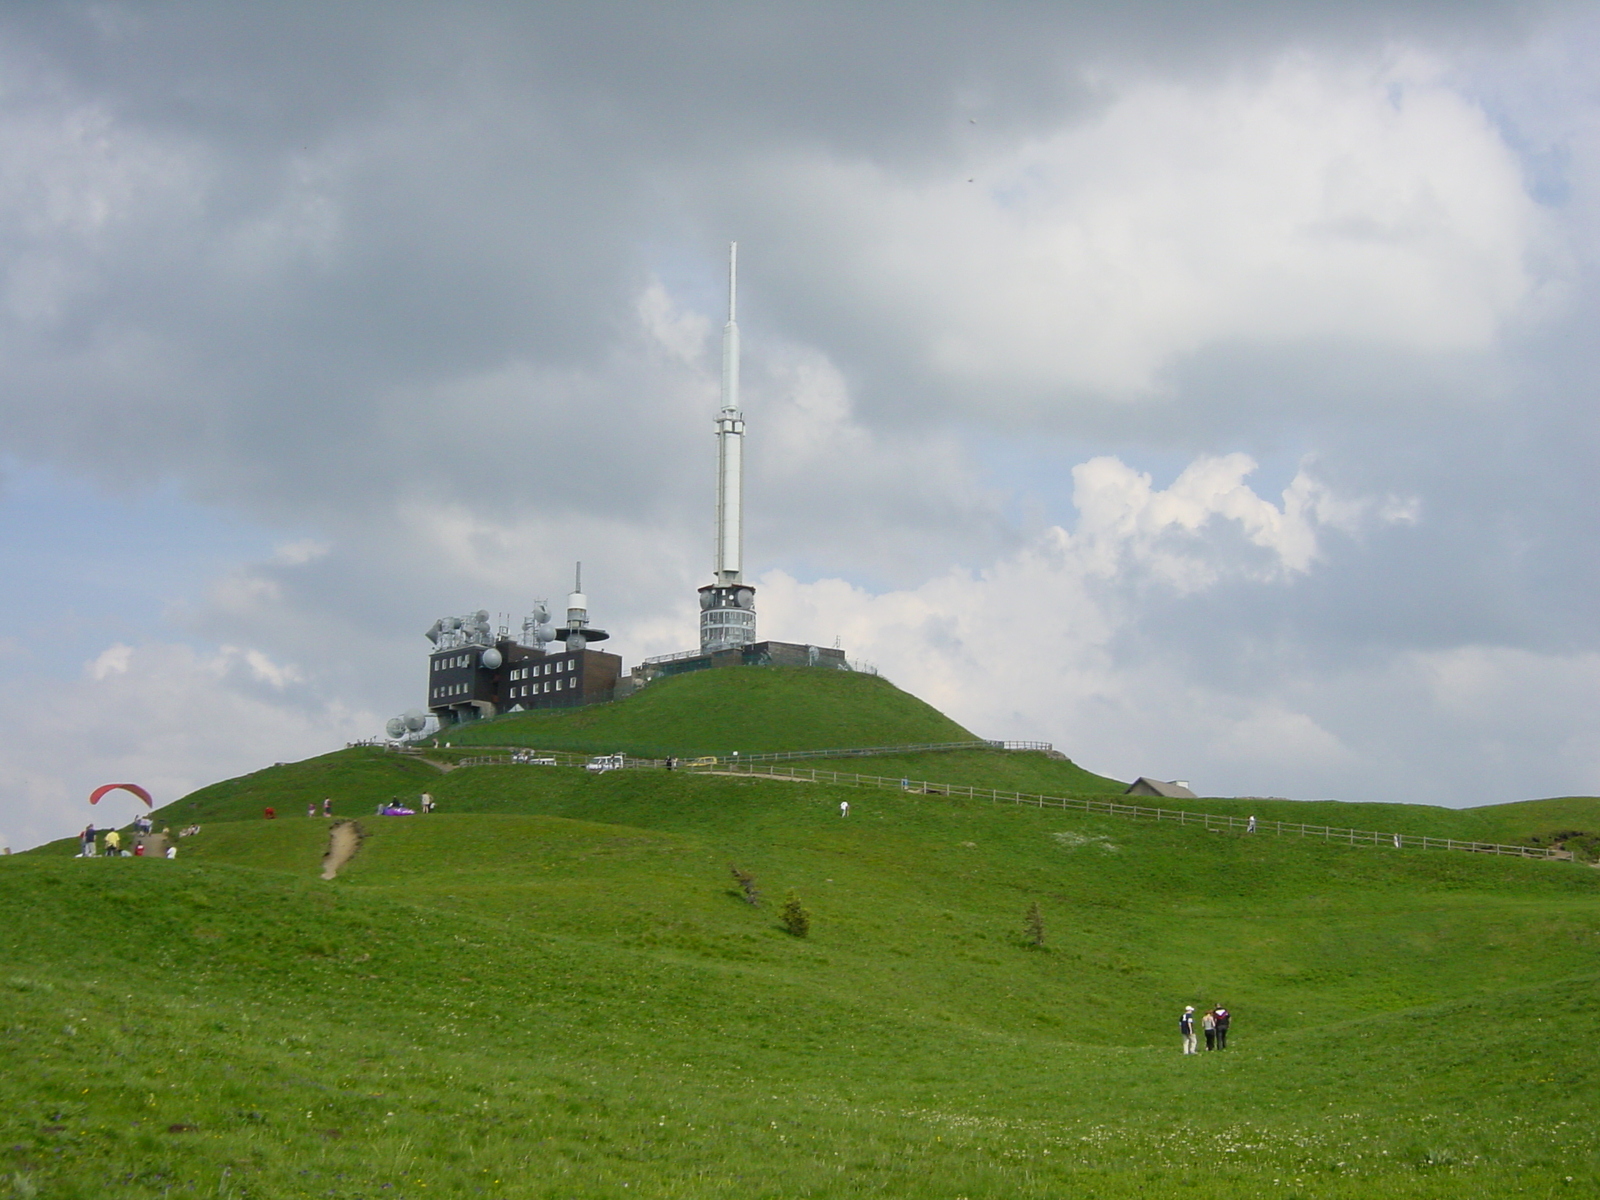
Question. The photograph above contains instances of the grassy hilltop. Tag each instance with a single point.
(717, 712)
(554, 988)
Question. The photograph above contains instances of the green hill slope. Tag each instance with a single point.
(361, 778)
(752, 710)
(553, 989)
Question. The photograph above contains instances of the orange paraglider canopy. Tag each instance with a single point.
(94, 797)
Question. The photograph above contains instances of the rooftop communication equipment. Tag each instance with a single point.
(474, 629)
(411, 725)
(579, 632)
(537, 631)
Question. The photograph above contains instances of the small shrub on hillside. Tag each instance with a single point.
(1033, 925)
(748, 891)
(1585, 846)
(796, 920)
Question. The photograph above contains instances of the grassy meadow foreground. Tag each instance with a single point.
(554, 988)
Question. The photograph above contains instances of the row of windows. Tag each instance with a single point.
(527, 689)
(535, 689)
(465, 660)
(542, 669)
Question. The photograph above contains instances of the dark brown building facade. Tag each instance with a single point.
(461, 688)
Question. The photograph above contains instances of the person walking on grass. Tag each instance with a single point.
(1251, 826)
(114, 844)
(1186, 1028)
(1222, 1018)
(327, 806)
(1208, 1025)
(87, 838)
(844, 808)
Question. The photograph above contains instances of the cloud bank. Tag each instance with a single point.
(1206, 393)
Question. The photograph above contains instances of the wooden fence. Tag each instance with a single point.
(1113, 808)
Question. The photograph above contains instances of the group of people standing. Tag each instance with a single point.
(112, 842)
(1214, 1024)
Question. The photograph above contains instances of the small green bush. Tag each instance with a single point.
(796, 920)
(1033, 925)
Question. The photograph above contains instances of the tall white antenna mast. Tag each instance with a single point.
(727, 607)
(730, 442)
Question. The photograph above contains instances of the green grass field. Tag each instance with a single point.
(755, 710)
(553, 988)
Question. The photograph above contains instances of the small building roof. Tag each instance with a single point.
(1171, 789)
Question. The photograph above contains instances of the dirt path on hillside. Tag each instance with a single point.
(344, 839)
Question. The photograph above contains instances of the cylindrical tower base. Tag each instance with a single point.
(727, 617)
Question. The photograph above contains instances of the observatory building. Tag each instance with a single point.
(476, 670)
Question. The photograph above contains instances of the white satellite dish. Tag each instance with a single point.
(491, 659)
(396, 728)
(414, 719)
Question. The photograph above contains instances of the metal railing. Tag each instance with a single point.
(519, 757)
(883, 751)
(502, 752)
(679, 656)
(1112, 808)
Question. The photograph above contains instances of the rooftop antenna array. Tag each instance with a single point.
(579, 632)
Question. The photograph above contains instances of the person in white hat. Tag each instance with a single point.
(1186, 1027)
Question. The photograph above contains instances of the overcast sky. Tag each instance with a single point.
(1209, 390)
